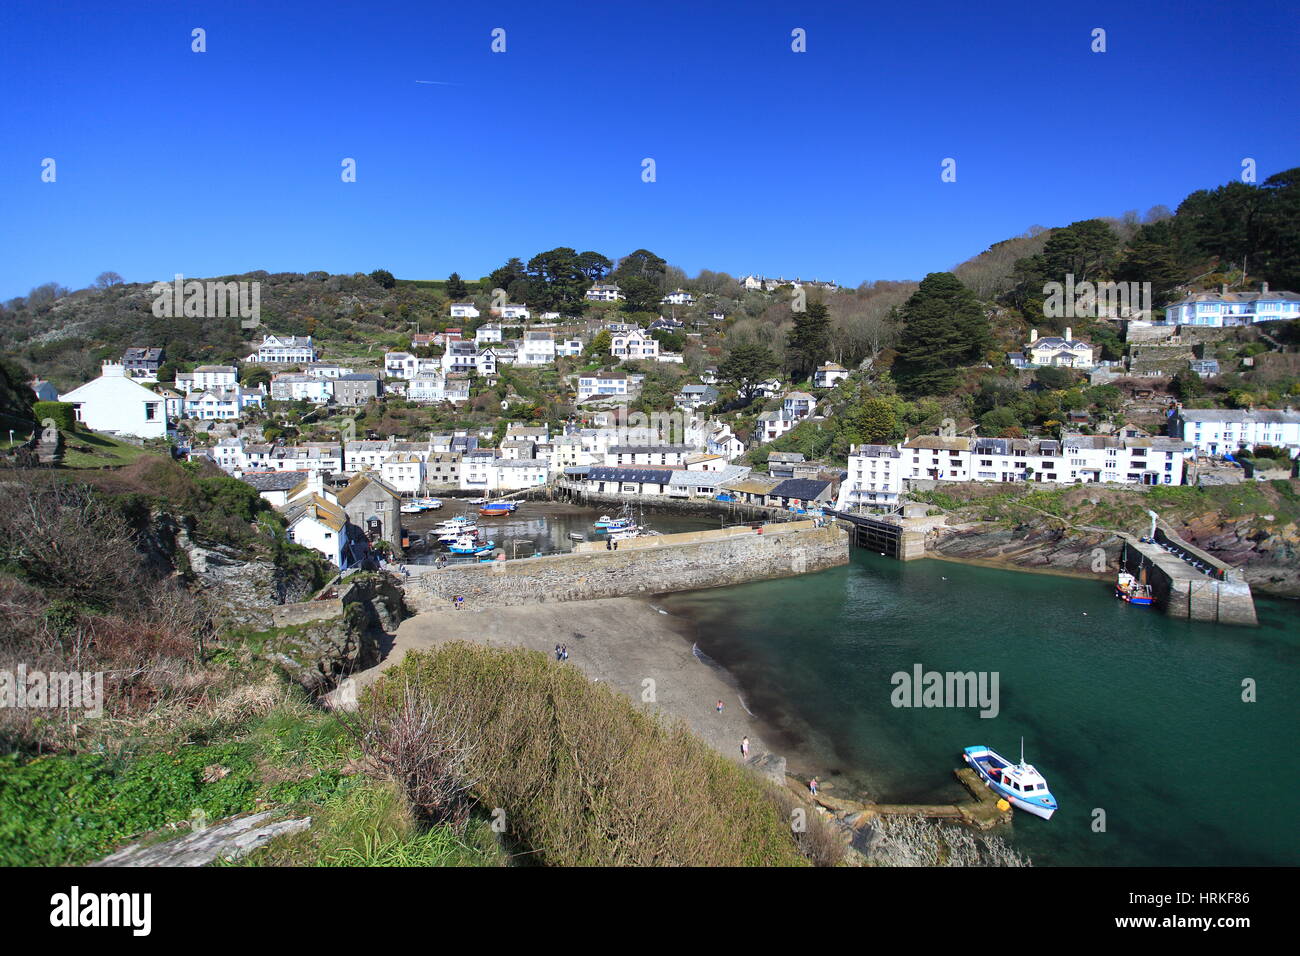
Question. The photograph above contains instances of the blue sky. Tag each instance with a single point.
(821, 164)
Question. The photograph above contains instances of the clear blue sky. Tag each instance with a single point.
(820, 164)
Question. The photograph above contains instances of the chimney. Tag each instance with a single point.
(113, 369)
(1263, 288)
(1068, 336)
(1033, 336)
(1223, 289)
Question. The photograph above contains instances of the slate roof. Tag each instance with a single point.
(1261, 416)
(272, 480)
(805, 489)
(645, 473)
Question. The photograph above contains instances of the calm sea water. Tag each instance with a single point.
(1124, 710)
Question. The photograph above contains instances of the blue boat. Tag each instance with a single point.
(468, 545)
(724, 497)
(1020, 784)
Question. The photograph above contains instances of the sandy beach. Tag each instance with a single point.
(623, 642)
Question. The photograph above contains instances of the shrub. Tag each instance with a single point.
(62, 413)
(582, 777)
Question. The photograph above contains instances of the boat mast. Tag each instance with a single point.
(1022, 751)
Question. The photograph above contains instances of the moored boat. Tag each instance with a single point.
(1132, 590)
(498, 509)
(467, 544)
(1020, 784)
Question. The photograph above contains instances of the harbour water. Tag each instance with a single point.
(1136, 719)
(539, 527)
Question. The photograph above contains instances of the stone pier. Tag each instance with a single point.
(1214, 592)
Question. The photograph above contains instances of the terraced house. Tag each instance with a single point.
(1224, 308)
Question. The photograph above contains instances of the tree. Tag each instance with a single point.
(1187, 385)
(512, 271)
(594, 265)
(558, 282)
(873, 422)
(1053, 377)
(809, 341)
(639, 294)
(600, 344)
(944, 327)
(746, 367)
(456, 289)
(643, 264)
(383, 278)
(106, 279)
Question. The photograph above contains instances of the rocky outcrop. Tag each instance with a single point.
(228, 840)
(319, 653)
(238, 587)
(1269, 561)
(1031, 546)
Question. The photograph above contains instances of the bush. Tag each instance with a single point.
(582, 777)
(63, 414)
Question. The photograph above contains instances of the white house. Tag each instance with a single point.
(512, 474)
(403, 472)
(296, 387)
(1056, 350)
(207, 376)
(1224, 308)
(327, 370)
(221, 404)
(798, 404)
(633, 345)
(513, 310)
(1220, 431)
(284, 350)
(319, 524)
(487, 335)
(875, 478)
(115, 403)
(829, 374)
(538, 348)
(463, 310)
(602, 292)
(602, 385)
(679, 297)
(568, 347)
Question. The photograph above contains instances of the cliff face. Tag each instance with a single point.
(240, 588)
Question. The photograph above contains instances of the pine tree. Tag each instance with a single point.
(809, 341)
(944, 327)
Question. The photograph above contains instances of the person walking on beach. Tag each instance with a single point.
(458, 602)
(719, 706)
(557, 652)
(812, 786)
(744, 748)
(609, 544)
(564, 652)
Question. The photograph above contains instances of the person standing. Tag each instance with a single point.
(719, 706)
(744, 748)
(812, 786)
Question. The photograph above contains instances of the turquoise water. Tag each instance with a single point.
(1122, 709)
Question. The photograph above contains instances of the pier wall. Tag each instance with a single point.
(1222, 596)
(701, 559)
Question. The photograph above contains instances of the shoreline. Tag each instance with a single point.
(640, 650)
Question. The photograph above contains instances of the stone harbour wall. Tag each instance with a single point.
(703, 560)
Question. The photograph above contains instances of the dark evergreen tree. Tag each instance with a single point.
(809, 341)
(944, 327)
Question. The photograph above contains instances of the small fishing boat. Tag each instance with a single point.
(608, 524)
(1020, 784)
(468, 544)
(1133, 591)
(498, 509)
(451, 534)
(428, 504)
(577, 536)
(622, 534)
(411, 508)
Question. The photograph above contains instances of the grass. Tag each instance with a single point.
(369, 823)
(83, 449)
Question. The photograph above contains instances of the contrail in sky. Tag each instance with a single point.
(436, 83)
